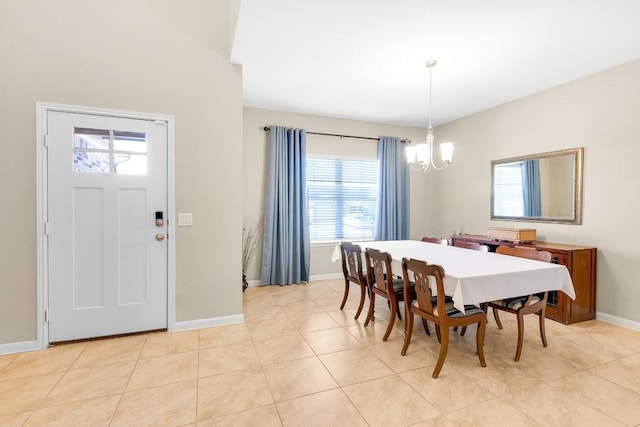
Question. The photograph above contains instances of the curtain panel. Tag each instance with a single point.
(392, 219)
(286, 245)
(531, 191)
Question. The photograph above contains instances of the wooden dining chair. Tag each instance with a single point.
(352, 271)
(381, 282)
(472, 245)
(475, 247)
(435, 240)
(443, 314)
(528, 304)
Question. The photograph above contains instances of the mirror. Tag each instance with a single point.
(544, 187)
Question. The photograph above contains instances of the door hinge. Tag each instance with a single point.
(46, 140)
(46, 228)
(46, 316)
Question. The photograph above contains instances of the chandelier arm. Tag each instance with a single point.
(433, 161)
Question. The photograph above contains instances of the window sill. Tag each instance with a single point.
(333, 243)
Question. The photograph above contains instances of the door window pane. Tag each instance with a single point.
(89, 161)
(130, 141)
(109, 151)
(130, 164)
(95, 139)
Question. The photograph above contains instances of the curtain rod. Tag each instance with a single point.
(267, 128)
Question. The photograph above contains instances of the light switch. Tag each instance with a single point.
(185, 219)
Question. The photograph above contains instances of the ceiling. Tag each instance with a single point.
(365, 59)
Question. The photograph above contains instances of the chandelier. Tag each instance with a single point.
(420, 156)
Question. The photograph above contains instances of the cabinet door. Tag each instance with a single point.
(583, 275)
(557, 306)
(557, 302)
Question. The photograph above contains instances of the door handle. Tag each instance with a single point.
(159, 237)
(159, 219)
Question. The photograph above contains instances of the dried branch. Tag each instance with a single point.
(250, 238)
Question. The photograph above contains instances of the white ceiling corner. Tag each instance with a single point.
(365, 59)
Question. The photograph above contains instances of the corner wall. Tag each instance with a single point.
(600, 113)
(160, 57)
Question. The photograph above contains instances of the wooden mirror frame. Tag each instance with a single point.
(576, 218)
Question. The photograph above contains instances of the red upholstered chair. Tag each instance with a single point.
(527, 304)
(352, 271)
(435, 240)
(472, 245)
(442, 313)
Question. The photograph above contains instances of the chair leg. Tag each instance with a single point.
(463, 331)
(520, 336)
(346, 293)
(543, 333)
(407, 333)
(444, 345)
(425, 325)
(372, 302)
(362, 298)
(398, 311)
(438, 333)
(392, 320)
(497, 317)
(480, 342)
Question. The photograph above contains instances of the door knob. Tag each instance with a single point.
(159, 237)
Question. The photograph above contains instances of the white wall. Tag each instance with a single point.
(254, 163)
(600, 113)
(149, 56)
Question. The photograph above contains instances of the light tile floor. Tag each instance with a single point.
(300, 361)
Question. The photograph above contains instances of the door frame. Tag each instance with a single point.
(42, 279)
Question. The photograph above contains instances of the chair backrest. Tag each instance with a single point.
(472, 245)
(525, 252)
(352, 262)
(435, 240)
(421, 272)
(379, 270)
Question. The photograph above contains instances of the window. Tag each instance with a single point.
(109, 151)
(342, 198)
(507, 190)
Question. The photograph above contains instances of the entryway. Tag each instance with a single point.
(106, 213)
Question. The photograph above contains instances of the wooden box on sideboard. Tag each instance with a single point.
(581, 261)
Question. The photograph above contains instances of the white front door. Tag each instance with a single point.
(107, 210)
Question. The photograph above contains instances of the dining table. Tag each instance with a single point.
(476, 277)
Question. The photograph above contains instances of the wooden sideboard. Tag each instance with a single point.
(580, 261)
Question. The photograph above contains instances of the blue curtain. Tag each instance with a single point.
(531, 193)
(286, 245)
(392, 218)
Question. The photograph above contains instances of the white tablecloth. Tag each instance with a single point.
(474, 277)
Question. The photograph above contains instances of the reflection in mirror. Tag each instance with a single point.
(544, 187)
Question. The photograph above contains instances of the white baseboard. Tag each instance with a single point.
(19, 347)
(630, 324)
(253, 283)
(311, 278)
(208, 323)
(326, 276)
